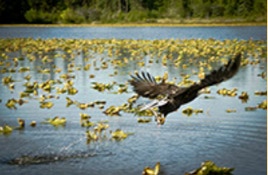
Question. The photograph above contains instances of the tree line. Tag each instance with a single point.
(127, 11)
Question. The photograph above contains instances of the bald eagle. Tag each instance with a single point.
(172, 96)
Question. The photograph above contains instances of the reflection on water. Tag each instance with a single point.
(229, 139)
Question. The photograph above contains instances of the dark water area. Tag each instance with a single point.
(236, 139)
(148, 33)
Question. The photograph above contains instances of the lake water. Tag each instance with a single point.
(253, 32)
(236, 139)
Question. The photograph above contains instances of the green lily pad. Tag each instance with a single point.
(210, 168)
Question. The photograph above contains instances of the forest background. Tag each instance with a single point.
(131, 11)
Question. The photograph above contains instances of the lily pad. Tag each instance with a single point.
(7, 80)
(227, 92)
(249, 108)
(46, 104)
(244, 97)
(56, 121)
(152, 171)
(263, 105)
(120, 135)
(6, 129)
(210, 168)
(189, 111)
(144, 120)
(113, 111)
(230, 110)
(260, 93)
(11, 103)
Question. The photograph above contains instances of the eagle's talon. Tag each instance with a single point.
(160, 120)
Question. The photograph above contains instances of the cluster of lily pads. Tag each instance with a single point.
(6, 129)
(99, 54)
(93, 135)
(206, 168)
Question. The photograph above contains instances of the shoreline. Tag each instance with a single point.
(212, 24)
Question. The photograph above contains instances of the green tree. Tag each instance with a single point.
(86, 11)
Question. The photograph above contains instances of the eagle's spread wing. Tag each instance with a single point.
(190, 93)
(223, 73)
(145, 85)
